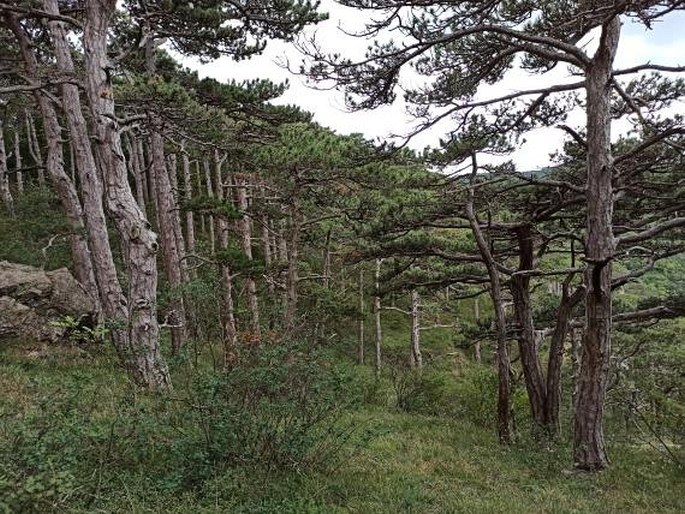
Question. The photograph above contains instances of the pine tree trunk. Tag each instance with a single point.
(18, 173)
(64, 186)
(588, 440)
(5, 191)
(292, 256)
(504, 415)
(377, 316)
(188, 196)
(145, 362)
(228, 321)
(34, 148)
(523, 308)
(245, 230)
(210, 194)
(171, 253)
(476, 316)
(361, 316)
(415, 360)
(136, 168)
(556, 357)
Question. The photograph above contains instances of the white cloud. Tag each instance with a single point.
(661, 45)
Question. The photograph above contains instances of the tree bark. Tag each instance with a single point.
(188, 196)
(66, 190)
(523, 309)
(210, 194)
(34, 147)
(361, 316)
(5, 191)
(415, 357)
(145, 362)
(476, 315)
(556, 357)
(588, 441)
(245, 230)
(504, 417)
(292, 255)
(377, 316)
(171, 253)
(18, 173)
(228, 322)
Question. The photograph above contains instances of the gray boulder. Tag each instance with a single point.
(32, 300)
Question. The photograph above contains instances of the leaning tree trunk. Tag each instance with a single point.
(504, 415)
(588, 440)
(64, 186)
(145, 361)
(523, 309)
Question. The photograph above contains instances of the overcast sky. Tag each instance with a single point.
(665, 44)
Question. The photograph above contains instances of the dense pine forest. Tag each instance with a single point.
(211, 302)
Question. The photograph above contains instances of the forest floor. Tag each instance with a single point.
(71, 434)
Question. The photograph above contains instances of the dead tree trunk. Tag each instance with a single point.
(589, 449)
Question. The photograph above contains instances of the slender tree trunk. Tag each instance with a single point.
(292, 252)
(5, 191)
(145, 360)
(246, 241)
(171, 252)
(415, 359)
(523, 309)
(228, 321)
(377, 316)
(210, 194)
(588, 441)
(18, 173)
(34, 148)
(476, 316)
(504, 416)
(137, 170)
(556, 357)
(188, 196)
(361, 316)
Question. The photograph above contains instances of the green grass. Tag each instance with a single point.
(60, 407)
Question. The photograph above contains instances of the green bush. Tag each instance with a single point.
(279, 408)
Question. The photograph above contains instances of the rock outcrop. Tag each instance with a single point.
(33, 300)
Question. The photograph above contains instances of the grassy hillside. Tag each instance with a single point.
(75, 438)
